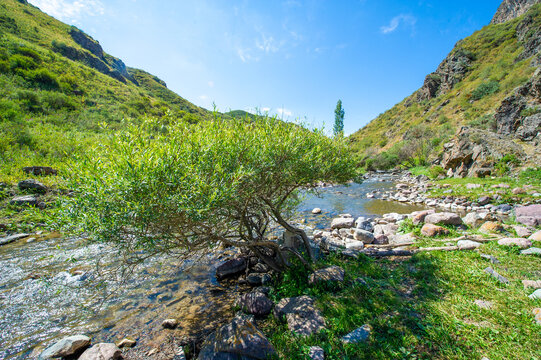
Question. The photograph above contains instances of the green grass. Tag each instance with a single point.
(419, 308)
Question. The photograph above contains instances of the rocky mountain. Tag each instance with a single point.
(486, 92)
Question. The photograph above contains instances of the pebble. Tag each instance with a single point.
(170, 323)
(126, 343)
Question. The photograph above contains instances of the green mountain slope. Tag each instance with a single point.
(467, 89)
(59, 89)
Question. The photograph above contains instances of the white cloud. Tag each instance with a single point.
(284, 112)
(70, 10)
(203, 97)
(267, 44)
(396, 21)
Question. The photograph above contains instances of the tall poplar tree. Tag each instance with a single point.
(338, 128)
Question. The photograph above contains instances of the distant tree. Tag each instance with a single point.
(338, 119)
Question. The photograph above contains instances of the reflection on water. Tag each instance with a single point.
(50, 288)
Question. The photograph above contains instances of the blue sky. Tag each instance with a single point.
(293, 58)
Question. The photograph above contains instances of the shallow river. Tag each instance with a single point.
(51, 287)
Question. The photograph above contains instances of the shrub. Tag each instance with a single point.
(31, 53)
(504, 165)
(21, 62)
(194, 186)
(485, 89)
(530, 111)
(435, 171)
(29, 100)
(57, 101)
(486, 122)
(44, 78)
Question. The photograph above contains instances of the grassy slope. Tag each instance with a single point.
(420, 307)
(52, 107)
(495, 48)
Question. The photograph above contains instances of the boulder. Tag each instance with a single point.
(468, 244)
(102, 351)
(444, 218)
(231, 267)
(363, 224)
(12, 238)
(68, 346)
(522, 231)
(354, 244)
(536, 284)
(473, 220)
(386, 229)
(535, 236)
(529, 215)
(401, 239)
(393, 217)
(307, 318)
(381, 240)
(26, 200)
(361, 334)
(531, 251)
(255, 303)
(433, 230)
(363, 235)
(484, 200)
(418, 217)
(170, 323)
(536, 295)
(490, 227)
(331, 273)
(520, 242)
(342, 223)
(32, 185)
(316, 353)
(256, 279)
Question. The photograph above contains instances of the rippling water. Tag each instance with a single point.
(51, 287)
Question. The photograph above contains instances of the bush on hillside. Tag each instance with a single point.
(485, 89)
(168, 186)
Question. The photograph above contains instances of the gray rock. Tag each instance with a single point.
(354, 244)
(520, 242)
(12, 238)
(531, 251)
(468, 244)
(401, 239)
(535, 236)
(445, 218)
(536, 284)
(418, 217)
(170, 323)
(342, 223)
(255, 303)
(393, 217)
(363, 224)
(522, 232)
(128, 343)
(332, 273)
(316, 353)
(69, 346)
(490, 258)
(230, 267)
(363, 235)
(26, 200)
(308, 319)
(484, 304)
(473, 220)
(102, 351)
(536, 295)
(316, 211)
(32, 185)
(484, 200)
(240, 339)
(256, 279)
(359, 335)
(495, 275)
(529, 215)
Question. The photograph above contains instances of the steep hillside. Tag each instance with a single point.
(470, 87)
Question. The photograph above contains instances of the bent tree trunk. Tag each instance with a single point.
(296, 231)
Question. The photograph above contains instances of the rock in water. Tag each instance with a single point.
(230, 267)
(69, 346)
(32, 185)
(12, 238)
(332, 273)
(255, 303)
(170, 323)
(359, 335)
(342, 223)
(316, 211)
(303, 318)
(444, 218)
(102, 351)
(239, 339)
(126, 343)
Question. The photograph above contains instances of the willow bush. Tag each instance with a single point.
(171, 186)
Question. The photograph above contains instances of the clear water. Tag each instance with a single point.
(51, 287)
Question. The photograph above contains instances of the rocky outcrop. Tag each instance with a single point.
(516, 115)
(450, 72)
(511, 9)
(473, 152)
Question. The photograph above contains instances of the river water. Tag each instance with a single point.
(51, 287)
